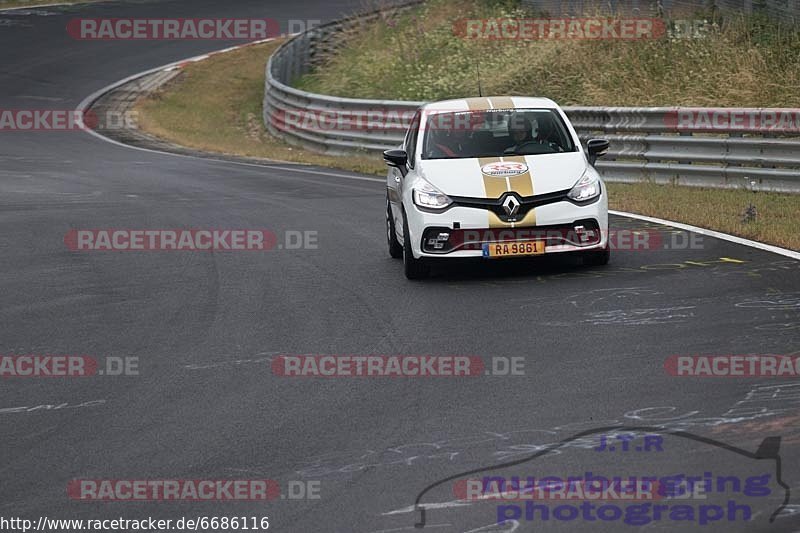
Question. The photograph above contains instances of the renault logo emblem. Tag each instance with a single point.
(511, 205)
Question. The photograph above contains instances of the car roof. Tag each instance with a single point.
(489, 102)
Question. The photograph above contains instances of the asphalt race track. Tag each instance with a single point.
(205, 327)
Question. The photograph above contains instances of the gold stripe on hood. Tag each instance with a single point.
(501, 102)
(478, 104)
(523, 183)
(495, 186)
(495, 102)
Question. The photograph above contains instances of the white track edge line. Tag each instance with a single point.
(89, 100)
(711, 233)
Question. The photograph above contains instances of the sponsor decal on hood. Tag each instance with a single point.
(504, 169)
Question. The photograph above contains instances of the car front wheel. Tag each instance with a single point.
(414, 268)
(395, 248)
(598, 257)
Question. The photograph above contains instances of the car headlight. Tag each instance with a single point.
(429, 197)
(588, 187)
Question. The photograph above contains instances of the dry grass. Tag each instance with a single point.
(216, 105)
(722, 210)
(741, 62)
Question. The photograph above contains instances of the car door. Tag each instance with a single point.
(395, 177)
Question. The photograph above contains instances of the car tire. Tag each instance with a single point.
(414, 268)
(395, 248)
(597, 258)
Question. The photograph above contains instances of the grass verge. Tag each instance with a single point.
(718, 209)
(215, 105)
(735, 61)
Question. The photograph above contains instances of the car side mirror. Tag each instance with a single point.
(396, 158)
(596, 148)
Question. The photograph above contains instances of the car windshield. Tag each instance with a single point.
(495, 133)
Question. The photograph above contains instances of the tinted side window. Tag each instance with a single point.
(411, 139)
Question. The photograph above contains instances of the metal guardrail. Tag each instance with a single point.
(711, 147)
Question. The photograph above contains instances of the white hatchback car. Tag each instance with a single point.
(494, 177)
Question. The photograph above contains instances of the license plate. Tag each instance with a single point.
(513, 248)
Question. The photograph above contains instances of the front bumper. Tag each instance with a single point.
(460, 232)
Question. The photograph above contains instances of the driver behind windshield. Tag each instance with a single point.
(546, 134)
(520, 130)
